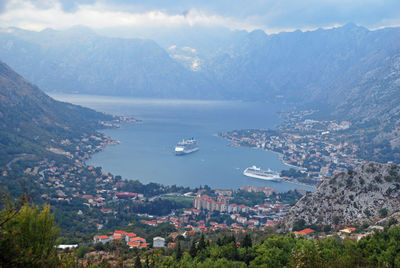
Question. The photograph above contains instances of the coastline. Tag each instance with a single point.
(281, 158)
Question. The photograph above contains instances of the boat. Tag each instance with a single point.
(186, 147)
(258, 173)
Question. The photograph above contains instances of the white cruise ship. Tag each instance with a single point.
(186, 147)
(256, 172)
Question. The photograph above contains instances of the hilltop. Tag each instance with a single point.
(363, 195)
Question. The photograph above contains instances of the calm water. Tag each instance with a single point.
(146, 149)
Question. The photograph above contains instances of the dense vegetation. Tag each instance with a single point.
(378, 250)
(28, 238)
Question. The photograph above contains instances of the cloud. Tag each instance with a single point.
(269, 15)
(35, 16)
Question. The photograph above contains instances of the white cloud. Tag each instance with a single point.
(269, 15)
(28, 16)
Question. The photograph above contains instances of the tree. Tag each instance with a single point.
(202, 243)
(178, 251)
(247, 243)
(193, 250)
(28, 238)
(138, 263)
(299, 225)
(383, 212)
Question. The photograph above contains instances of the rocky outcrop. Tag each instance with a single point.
(366, 194)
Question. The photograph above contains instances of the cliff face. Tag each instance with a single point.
(366, 194)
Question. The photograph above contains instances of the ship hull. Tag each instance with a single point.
(261, 177)
(184, 152)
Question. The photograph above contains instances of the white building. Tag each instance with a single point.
(158, 242)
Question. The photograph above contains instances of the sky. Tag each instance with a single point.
(272, 16)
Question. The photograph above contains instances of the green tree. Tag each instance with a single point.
(202, 243)
(193, 249)
(178, 251)
(246, 243)
(383, 212)
(138, 263)
(299, 225)
(28, 238)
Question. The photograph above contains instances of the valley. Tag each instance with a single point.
(294, 109)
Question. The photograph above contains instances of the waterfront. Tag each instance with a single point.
(146, 149)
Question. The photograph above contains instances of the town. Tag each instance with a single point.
(317, 148)
(79, 194)
(89, 203)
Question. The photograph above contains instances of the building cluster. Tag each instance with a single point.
(345, 233)
(268, 213)
(318, 148)
(253, 189)
(130, 239)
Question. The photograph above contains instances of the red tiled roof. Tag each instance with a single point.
(130, 234)
(304, 232)
(117, 236)
(138, 238)
(133, 244)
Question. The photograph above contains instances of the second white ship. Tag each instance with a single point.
(258, 173)
(186, 147)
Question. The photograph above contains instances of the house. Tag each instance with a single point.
(158, 242)
(101, 239)
(305, 232)
(254, 222)
(128, 236)
(117, 236)
(133, 244)
(348, 230)
(144, 245)
(62, 247)
(138, 239)
(241, 219)
(120, 232)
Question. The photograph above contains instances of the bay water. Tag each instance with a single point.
(146, 149)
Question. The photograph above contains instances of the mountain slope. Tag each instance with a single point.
(79, 61)
(30, 120)
(349, 73)
(315, 67)
(366, 194)
(303, 67)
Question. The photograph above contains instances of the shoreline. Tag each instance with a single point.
(281, 158)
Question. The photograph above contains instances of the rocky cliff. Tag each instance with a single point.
(366, 194)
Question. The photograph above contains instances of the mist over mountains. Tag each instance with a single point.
(352, 71)
(297, 66)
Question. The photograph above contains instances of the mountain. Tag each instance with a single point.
(30, 120)
(319, 68)
(366, 194)
(373, 105)
(303, 67)
(80, 61)
(348, 73)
